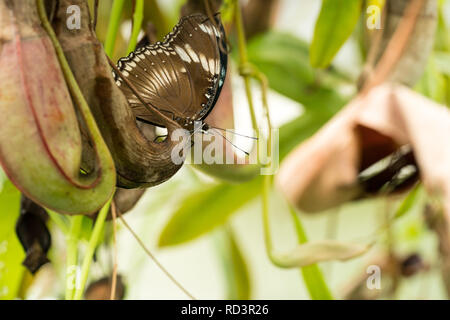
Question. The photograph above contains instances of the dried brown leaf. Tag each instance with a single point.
(323, 172)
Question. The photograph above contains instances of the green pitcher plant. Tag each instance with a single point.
(41, 147)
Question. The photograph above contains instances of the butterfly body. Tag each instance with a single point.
(181, 76)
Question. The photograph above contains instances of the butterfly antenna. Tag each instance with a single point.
(194, 132)
(234, 132)
(229, 141)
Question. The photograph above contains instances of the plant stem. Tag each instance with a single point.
(266, 223)
(243, 62)
(248, 71)
(72, 255)
(113, 26)
(93, 242)
(138, 17)
(312, 275)
(59, 220)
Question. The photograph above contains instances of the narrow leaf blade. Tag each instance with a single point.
(335, 24)
(234, 265)
(204, 210)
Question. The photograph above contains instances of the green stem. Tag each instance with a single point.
(251, 71)
(72, 255)
(266, 223)
(113, 26)
(243, 62)
(154, 13)
(248, 71)
(93, 242)
(312, 275)
(138, 17)
(59, 220)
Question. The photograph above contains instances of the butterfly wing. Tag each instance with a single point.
(181, 76)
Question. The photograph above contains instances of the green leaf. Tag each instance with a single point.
(86, 228)
(234, 265)
(442, 60)
(284, 60)
(335, 24)
(227, 10)
(432, 84)
(315, 283)
(11, 252)
(408, 202)
(203, 210)
(312, 275)
(442, 41)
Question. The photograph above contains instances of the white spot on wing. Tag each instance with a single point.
(204, 62)
(183, 55)
(211, 65)
(203, 28)
(216, 32)
(191, 52)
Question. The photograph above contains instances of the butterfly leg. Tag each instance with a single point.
(172, 115)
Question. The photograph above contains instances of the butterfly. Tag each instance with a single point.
(182, 76)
